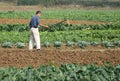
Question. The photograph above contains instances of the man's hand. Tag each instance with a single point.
(44, 26)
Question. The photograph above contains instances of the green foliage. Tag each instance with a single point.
(94, 43)
(63, 36)
(57, 44)
(117, 43)
(65, 27)
(100, 3)
(83, 44)
(108, 44)
(66, 72)
(46, 44)
(14, 27)
(69, 43)
(7, 45)
(60, 27)
(20, 45)
(27, 2)
(61, 32)
(48, 3)
(72, 14)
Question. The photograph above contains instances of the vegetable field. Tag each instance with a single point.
(67, 72)
(72, 14)
(87, 49)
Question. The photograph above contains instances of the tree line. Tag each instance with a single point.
(112, 3)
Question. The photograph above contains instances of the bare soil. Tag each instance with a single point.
(47, 21)
(22, 57)
(12, 7)
(18, 8)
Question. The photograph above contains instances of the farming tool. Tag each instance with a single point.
(65, 21)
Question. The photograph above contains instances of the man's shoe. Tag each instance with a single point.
(38, 50)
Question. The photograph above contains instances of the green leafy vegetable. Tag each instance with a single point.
(69, 43)
(7, 45)
(46, 44)
(83, 44)
(57, 44)
(20, 45)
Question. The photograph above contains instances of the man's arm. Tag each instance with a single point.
(43, 25)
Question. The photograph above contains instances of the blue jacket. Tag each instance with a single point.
(35, 21)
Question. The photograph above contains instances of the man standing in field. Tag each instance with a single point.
(34, 31)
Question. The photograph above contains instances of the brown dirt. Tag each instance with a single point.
(12, 7)
(46, 21)
(23, 57)
(19, 8)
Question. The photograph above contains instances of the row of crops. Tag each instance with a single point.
(60, 27)
(72, 14)
(63, 36)
(58, 44)
(66, 72)
(107, 35)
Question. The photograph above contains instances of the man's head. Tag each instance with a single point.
(38, 13)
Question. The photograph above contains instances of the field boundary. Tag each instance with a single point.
(47, 21)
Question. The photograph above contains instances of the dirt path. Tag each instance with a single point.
(46, 21)
(23, 57)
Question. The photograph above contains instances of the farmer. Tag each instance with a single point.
(34, 31)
